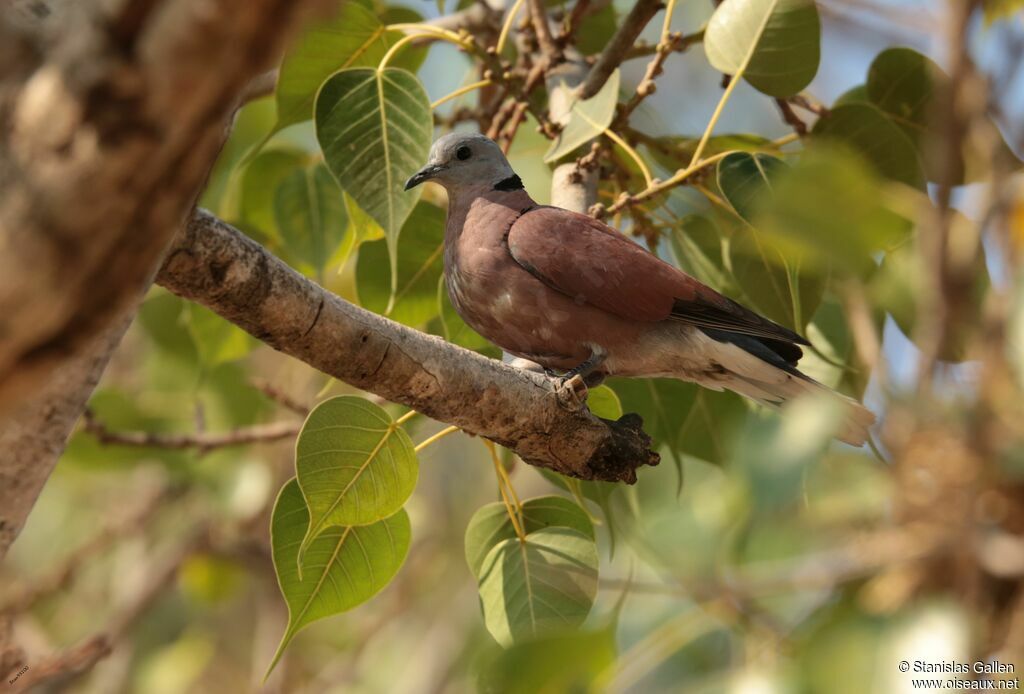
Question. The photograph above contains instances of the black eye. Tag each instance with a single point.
(463, 152)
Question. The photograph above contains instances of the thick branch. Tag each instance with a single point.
(620, 45)
(113, 129)
(215, 265)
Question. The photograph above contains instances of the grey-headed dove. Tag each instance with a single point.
(570, 293)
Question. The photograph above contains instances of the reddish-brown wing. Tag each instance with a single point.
(595, 264)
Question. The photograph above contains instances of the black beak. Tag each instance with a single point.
(424, 174)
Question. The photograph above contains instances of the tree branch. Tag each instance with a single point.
(619, 46)
(110, 129)
(262, 433)
(217, 266)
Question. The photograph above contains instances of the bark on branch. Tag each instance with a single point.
(108, 135)
(215, 265)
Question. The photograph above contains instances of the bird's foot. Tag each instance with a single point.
(571, 390)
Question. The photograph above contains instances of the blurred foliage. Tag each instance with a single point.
(757, 559)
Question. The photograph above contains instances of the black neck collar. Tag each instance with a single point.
(513, 182)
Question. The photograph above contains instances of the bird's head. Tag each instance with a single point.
(462, 159)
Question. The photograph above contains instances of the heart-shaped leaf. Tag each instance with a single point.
(217, 340)
(603, 402)
(829, 208)
(746, 179)
(773, 44)
(375, 128)
(587, 119)
(353, 38)
(343, 567)
(310, 216)
(700, 252)
(864, 128)
(903, 84)
(354, 464)
(544, 584)
(419, 269)
(491, 525)
(260, 181)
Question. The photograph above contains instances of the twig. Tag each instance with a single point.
(679, 43)
(680, 177)
(263, 433)
(580, 10)
(674, 43)
(613, 55)
(790, 117)
(539, 16)
(281, 398)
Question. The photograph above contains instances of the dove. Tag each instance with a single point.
(574, 295)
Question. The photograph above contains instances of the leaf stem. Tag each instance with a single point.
(435, 438)
(679, 177)
(715, 116)
(666, 28)
(405, 40)
(460, 91)
(507, 27)
(505, 488)
(406, 417)
(633, 154)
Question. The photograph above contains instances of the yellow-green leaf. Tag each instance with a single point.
(375, 129)
(587, 119)
(491, 525)
(544, 584)
(354, 464)
(343, 567)
(775, 44)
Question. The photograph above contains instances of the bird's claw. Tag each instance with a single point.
(572, 390)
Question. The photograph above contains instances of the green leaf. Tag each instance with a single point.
(217, 341)
(526, 156)
(867, 130)
(830, 208)
(700, 252)
(353, 38)
(903, 278)
(603, 402)
(343, 567)
(568, 662)
(544, 584)
(773, 43)
(773, 453)
(903, 84)
(361, 228)
(310, 216)
(684, 417)
(375, 129)
(354, 464)
(260, 181)
(853, 95)
(596, 30)
(490, 525)
(419, 269)
(746, 179)
(587, 119)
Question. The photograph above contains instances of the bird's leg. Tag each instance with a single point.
(586, 370)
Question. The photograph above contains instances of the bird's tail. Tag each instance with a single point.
(771, 381)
